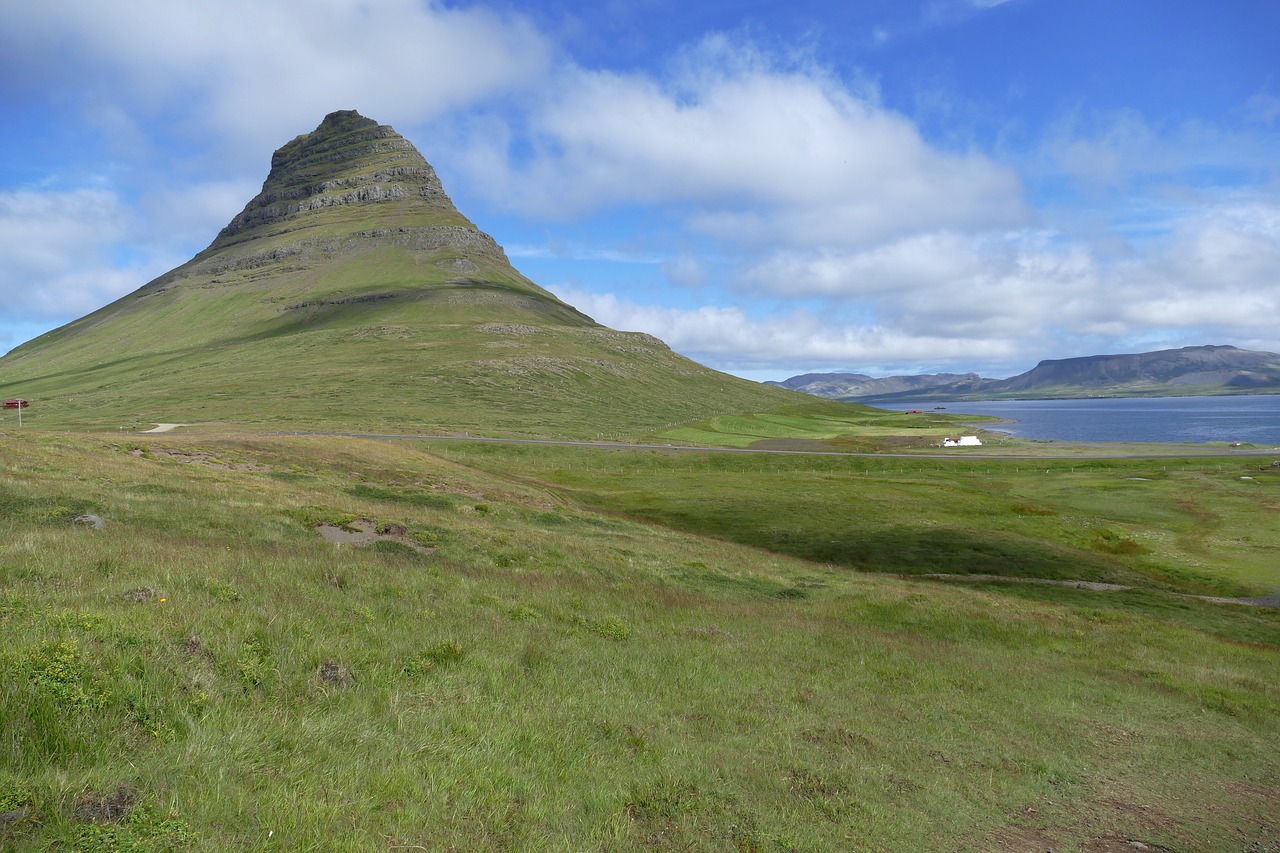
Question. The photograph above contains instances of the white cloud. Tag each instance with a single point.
(70, 251)
(1009, 288)
(57, 249)
(1006, 286)
(1108, 155)
(1116, 149)
(759, 151)
(932, 262)
(257, 72)
(193, 214)
(578, 251)
(946, 300)
(1216, 271)
(939, 13)
(1227, 248)
(685, 270)
(1264, 107)
(726, 337)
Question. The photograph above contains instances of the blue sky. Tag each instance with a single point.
(886, 186)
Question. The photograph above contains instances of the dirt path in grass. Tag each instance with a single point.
(164, 427)
(1098, 586)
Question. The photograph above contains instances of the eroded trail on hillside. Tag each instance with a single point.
(1272, 600)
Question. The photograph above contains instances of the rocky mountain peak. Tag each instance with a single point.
(345, 120)
(348, 159)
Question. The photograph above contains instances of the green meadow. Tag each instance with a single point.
(557, 648)
(825, 426)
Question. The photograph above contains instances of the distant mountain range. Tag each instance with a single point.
(845, 386)
(1189, 371)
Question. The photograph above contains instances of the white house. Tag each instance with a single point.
(962, 441)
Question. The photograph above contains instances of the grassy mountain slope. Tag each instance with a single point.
(350, 292)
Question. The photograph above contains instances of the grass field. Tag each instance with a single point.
(1185, 525)
(575, 649)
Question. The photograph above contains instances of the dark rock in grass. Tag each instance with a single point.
(111, 807)
(334, 673)
(12, 817)
(93, 521)
(195, 647)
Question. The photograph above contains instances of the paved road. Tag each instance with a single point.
(677, 448)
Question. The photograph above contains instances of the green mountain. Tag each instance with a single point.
(351, 292)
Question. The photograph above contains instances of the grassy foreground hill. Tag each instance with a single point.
(582, 649)
(351, 293)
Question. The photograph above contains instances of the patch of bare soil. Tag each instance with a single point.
(1121, 845)
(1260, 835)
(791, 444)
(1096, 586)
(1110, 822)
(366, 531)
(111, 807)
(1023, 839)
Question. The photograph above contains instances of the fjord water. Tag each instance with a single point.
(1252, 419)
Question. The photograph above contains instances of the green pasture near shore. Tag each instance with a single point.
(1203, 526)
(843, 426)
(578, 649)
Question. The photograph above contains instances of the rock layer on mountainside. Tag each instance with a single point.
(348, 159)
